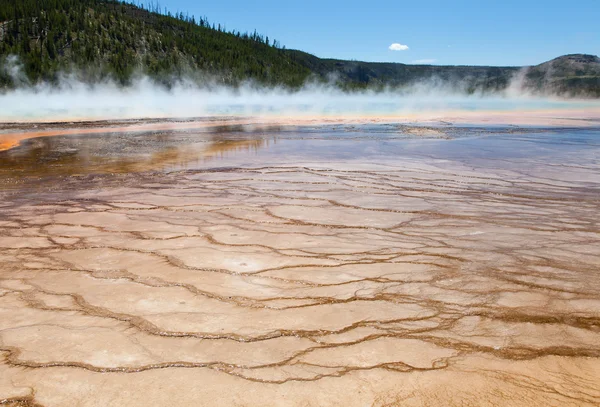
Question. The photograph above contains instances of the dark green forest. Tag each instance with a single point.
(98, 40)
(110, 39)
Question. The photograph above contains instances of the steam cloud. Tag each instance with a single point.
(72, 100)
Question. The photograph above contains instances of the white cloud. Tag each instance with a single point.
(398, 47)
(424, 61)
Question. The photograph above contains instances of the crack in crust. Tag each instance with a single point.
(280, 276)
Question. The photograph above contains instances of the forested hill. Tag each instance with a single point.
(99, 39)
(96, 40)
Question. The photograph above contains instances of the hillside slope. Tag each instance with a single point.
(569, 75)
(96, 40)
(99, 39)
(378, 74)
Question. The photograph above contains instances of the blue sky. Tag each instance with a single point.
(459, 32)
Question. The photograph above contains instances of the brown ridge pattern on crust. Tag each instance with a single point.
(403, 284)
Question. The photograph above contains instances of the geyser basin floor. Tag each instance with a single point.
(323, 267)
(571, 115)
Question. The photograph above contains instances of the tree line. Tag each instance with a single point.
(100, 39)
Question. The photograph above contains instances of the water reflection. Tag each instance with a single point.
(122, 152)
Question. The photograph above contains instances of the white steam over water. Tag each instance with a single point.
(72, 100)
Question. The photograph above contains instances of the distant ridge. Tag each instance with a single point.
(568, 75)
(98, 40)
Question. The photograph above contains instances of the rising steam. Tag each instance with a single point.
(71, 99)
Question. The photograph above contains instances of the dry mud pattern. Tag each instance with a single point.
(406, 285)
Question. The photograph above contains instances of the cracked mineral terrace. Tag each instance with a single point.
(375, 264)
